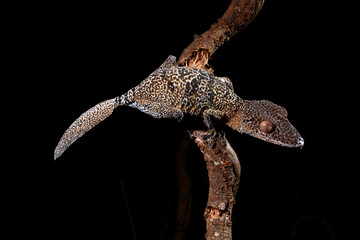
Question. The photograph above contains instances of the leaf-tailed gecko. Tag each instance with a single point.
(172, 91)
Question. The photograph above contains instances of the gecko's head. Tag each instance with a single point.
(268, 121)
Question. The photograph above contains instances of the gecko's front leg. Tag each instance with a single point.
(208, 113)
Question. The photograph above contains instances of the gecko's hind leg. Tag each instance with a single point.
(157, 109)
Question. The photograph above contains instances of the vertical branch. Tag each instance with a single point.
(224, 176)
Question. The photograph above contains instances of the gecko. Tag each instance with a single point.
(172, 91)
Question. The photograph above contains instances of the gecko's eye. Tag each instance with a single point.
(267, 127)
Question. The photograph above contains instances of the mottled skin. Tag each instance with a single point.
(172, 91)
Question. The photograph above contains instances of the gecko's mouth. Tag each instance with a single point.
(299, 144)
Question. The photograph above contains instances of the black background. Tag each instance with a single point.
(75, 55)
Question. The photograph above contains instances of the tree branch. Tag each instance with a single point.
(224, 176)
(238, 15)
(221, 160)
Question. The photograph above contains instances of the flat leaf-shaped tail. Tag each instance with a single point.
(85, 122)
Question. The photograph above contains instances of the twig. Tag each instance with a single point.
(184, 189)
(128, 209)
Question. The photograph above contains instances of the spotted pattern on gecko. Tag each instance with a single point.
(172, 91)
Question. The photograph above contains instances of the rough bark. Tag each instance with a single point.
(224, 171)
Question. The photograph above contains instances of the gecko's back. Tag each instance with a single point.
(184, 89)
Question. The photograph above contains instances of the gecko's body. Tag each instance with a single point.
(172, 91)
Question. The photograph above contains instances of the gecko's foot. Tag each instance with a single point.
(210, 136)
(203, 134)
(210, 133)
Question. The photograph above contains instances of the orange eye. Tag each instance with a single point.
(267, 127)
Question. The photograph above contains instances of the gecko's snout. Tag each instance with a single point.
(300, 143)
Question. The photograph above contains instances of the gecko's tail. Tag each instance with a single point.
(87, 121)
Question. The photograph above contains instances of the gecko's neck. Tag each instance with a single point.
(235, 117)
